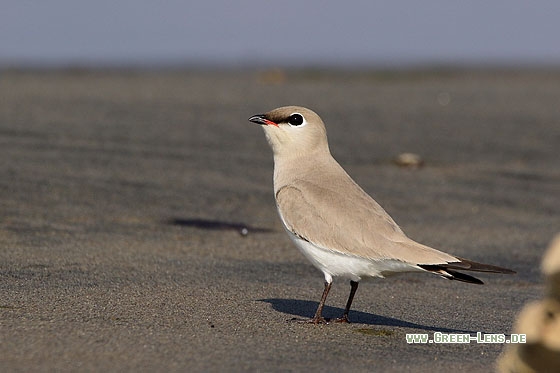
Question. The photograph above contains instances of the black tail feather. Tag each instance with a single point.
(450, 274)
(463, 277)
(448, 270)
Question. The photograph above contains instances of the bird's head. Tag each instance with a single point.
(293, 131)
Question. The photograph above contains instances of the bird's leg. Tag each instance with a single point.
(318, 318)
(353, 288)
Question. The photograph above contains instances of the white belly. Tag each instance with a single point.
(335, 264)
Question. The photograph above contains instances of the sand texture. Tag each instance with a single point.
(123, 197)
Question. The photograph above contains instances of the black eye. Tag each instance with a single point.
(295, 119)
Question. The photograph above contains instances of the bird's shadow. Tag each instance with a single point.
(306, 309)
(218, 225)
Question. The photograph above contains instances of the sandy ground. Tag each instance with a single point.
(122, 197)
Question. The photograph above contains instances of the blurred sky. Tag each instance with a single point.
(287, 32)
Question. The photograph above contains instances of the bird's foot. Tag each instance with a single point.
(343, 319)
(318, 320)
(314, 320)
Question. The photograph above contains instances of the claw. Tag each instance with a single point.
(315, 320)
(343, 319)
(318, 320)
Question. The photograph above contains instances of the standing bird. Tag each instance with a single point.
(336, 225)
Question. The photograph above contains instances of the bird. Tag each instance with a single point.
(337, 226)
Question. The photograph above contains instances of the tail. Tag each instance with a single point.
(449, 272)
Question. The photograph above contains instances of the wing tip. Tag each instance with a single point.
(469, 265)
